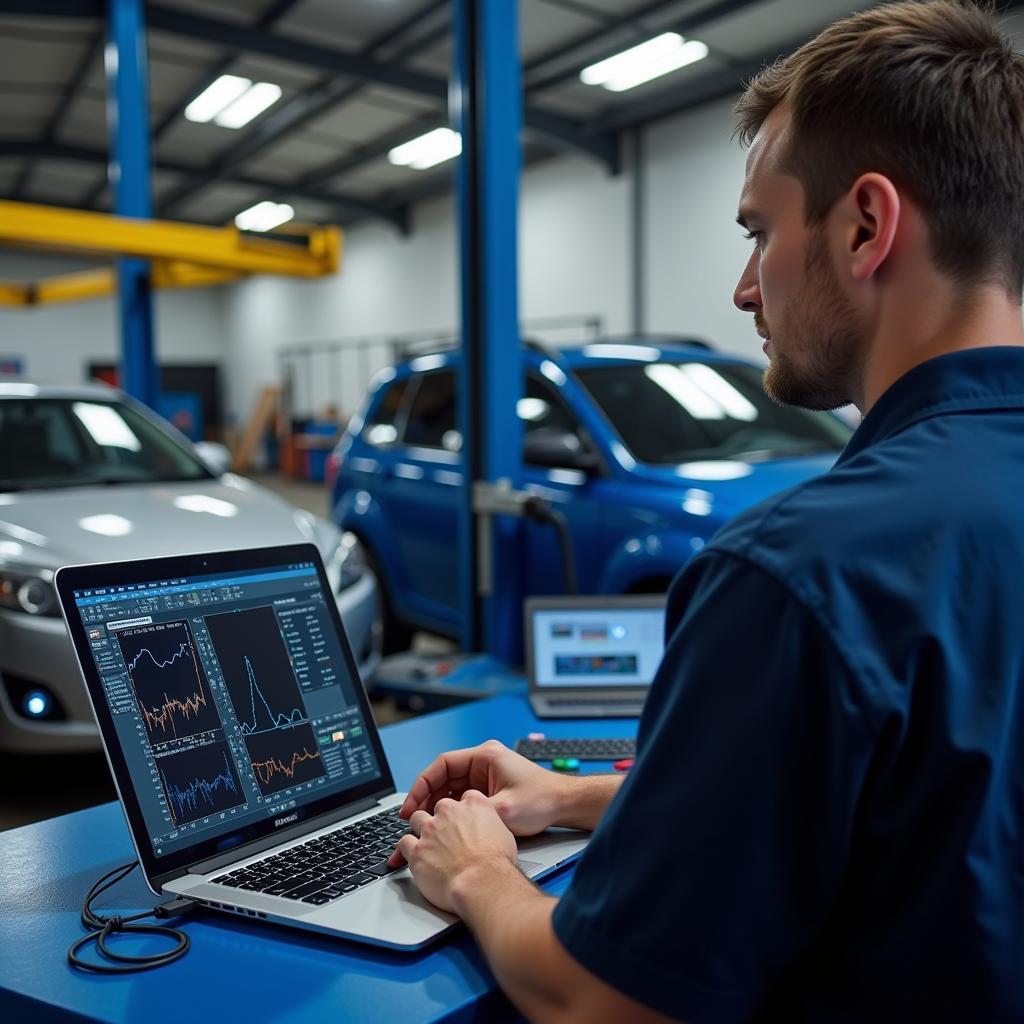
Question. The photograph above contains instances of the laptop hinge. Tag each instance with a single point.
(285, 835)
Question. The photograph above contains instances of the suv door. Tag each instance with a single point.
(573, 492)
(422, 497)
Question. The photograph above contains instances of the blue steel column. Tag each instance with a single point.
(129, 175)
(486, 107)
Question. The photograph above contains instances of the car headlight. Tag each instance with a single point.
(348, 563)
(28, 590)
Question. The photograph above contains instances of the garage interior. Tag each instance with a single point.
(275, 225)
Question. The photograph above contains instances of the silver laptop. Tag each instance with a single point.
(242, 745)
(593, 656)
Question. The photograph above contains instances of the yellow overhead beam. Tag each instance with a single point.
(95, 284)
(84, 233)
(14, 294)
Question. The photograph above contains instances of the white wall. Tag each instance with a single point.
(695, 250)
(574, 261)
(57, 342)
(387, 284)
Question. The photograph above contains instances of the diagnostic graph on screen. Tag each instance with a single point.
(169, 682)
(257, 670)
(284, 757)
(266, 698)
(199, 782)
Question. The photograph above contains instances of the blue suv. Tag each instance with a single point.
(646, 448)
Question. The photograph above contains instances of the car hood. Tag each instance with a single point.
(725, 487)
(50, 528)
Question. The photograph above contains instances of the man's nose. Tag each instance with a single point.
(747, 295)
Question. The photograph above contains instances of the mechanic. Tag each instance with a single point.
(826, 817)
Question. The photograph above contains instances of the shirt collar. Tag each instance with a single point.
(978, 378)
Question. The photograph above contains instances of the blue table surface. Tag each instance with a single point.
(237, 970)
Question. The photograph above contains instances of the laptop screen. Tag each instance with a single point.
(593, 646)
(230, 696)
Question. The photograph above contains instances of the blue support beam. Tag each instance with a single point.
(128, 120)
(486, 107)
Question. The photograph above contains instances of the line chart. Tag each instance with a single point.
(179, 653)
(199, 782)
(168, 679)
(266, 770)
(295, 716)
(257, 670)
(284, 757)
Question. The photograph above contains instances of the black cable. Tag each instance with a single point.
(100, 929)
(540, 510)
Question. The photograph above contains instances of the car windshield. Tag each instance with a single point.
(58, 442)
(671, 412)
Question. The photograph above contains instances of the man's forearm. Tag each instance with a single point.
(511, 920)
(584, 800)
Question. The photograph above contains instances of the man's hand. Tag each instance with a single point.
(460, 838)
(526, 797)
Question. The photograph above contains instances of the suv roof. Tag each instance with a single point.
(629, 348)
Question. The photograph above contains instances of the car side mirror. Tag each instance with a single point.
(558, 449)
(215, 457)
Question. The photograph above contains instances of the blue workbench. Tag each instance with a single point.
(236, 970)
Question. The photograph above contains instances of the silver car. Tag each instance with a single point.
(89, 475)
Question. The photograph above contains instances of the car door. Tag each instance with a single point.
(576, 494)
(422, 496)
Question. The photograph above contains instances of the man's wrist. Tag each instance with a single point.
(482, 880)
(582, 800)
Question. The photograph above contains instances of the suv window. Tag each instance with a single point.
(543, 408)
(676, 412)
(433, 414)
(382, 425)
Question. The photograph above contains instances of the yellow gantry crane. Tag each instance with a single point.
(180, 255)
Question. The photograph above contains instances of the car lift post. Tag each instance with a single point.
(129, 177)
(486, 108)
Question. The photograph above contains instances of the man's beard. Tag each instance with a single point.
(821, 323)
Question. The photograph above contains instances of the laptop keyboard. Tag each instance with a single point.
(583, 750)
(326, 868)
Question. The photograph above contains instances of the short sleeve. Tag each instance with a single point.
(717, 865)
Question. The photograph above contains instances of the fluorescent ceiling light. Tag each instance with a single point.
(642, 63)
(250, 104)
(428, 150)
(213, 99)
(264, 216)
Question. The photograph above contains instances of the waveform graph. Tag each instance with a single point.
(282, 758)
(257, 670)
(168, 679)
(199, 782)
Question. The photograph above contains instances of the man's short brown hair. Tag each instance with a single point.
(930, 94)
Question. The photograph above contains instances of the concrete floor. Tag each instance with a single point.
(50, 785)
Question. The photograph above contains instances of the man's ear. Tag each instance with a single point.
(870, 212)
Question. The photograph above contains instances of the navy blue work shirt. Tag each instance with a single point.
(826, 818)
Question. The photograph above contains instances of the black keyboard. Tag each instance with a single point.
(584, 750)
(326, 868)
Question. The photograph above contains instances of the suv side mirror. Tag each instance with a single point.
(559, 449)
